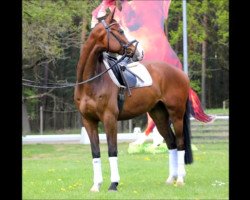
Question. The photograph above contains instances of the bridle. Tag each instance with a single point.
(124, 46)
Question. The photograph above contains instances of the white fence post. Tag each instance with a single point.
(41, 120)
(84, 137)
(130, 124)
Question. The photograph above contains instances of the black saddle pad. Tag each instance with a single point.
(121, 68)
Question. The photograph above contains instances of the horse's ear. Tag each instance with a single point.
(118, 4)
(110, 16)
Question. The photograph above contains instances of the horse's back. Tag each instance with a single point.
(169, 74)
(172, 82)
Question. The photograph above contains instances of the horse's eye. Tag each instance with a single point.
(121, 31)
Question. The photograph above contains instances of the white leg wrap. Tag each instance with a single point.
(173, 162)
(173, 167)
(114, 169)
(181, 163)
(97, 167)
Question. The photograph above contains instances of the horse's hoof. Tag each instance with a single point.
(171, 180)
(180, 182)
(113, 187)
(95, 188)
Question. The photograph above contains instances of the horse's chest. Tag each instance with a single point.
(90, 106)
(87, 105)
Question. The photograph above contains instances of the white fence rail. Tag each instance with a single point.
(76, 138)
(82, 138)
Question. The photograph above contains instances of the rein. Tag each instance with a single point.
(28, 82)
(63, 85)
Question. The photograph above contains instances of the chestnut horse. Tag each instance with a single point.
(165, 100)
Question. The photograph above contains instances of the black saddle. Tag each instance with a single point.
(122, 73)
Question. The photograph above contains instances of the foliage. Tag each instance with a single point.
(53, 31)
(195, 85)
(216, 33)
(44, 23)
(32, 112)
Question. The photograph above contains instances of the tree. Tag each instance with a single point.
(53, 31)
(207, 23)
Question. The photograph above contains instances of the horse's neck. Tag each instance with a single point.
(88, 60)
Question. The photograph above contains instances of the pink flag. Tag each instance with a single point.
(144, 20)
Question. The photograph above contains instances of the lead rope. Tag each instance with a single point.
(71, 84)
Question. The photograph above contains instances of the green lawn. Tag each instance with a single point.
(65, 172)
(217, 111)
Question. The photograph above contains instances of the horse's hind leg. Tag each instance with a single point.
(110, 125)
(176, 117)
(91, 128)
(161, 118)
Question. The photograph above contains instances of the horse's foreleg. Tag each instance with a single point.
(110, 124)
(91, 127)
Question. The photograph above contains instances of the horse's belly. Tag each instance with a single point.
(141, 101)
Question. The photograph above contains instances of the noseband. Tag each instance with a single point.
(124, 46)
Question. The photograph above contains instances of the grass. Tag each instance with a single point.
(65, 172)
(217, 111)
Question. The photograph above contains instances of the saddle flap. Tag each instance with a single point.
(135, 73)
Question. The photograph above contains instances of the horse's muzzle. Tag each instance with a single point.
(134, 51)
(138, 55)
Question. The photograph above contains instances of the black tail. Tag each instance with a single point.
(187, 135)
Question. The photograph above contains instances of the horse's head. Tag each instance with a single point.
(112, 38)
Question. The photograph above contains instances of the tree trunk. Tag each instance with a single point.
(25, 120)
(44, 98)
(54, 113)
(203, 67)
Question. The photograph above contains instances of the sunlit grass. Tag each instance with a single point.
(65, 172)
(217, 111)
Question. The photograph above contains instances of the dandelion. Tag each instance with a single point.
(146, 158)
(70, 187)
(197, 158)
(218, 183)
(51, 170)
